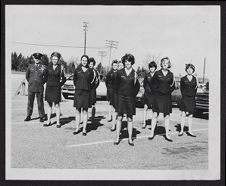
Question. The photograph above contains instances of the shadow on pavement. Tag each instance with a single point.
(64, 121)
(124, 133)
(94, 124)
(178, 128)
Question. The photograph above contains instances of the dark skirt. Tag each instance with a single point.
(148, 100)
(126, 105)
(81, 99)
(187, 104)
(93, 94)
(162, 104)
(114, 100)
(53, 94)
(109, 94)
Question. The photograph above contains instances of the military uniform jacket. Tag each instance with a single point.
(188, 88)
(36, 76)
(163, 85)
(148, 84)
(83, 80)
(125, 84)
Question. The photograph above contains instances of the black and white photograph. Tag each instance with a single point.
(120, 92)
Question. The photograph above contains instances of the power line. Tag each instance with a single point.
(50, 45)
(102, 54)
(111, 44)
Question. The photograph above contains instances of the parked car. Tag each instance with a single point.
(202, 99)
(68, 89)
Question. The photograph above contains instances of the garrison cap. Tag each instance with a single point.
(37, 55)
(57, 54)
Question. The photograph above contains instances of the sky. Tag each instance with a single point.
(185, 34)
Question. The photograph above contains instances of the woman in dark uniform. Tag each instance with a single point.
(83, 78)
(94, 86)
(163, 84)
(108, 82)
(188, 87)
(128, 87)
(55, 79)
(148, 93)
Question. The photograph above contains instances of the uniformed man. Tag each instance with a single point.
(36, 76)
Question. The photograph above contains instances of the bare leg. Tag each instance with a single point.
(49, 112)
(167, 122)
(77, 119)
(145, 114)
(183, 117)
(114, 115)
(153, 124)
(57, 106)
(85, 116)
(190, 124)
(130, 130)
(118, 129)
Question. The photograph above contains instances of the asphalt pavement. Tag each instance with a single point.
(35, 146)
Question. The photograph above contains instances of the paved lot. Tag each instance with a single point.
(35, 146)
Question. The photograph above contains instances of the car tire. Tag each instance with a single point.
(65, 95)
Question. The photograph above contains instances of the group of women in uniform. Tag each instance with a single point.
(122, 87)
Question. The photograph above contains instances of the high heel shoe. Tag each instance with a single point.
(76, 132)
(190, 134)
(47, 124)
(58, 125)
(151, 138)
(168, 139)
(181, 134)
(117, 142)
(112, 130)
(130, 143)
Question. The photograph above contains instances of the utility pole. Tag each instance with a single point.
(204, 70)
(85, 25)
(102, 54)
(111, 44)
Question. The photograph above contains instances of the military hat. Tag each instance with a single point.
(37, 55)
(57, 54)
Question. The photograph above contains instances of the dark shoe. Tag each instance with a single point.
(112, 130)
(151, 138)
(116, 142)
(130, 143)
(84, 133)
(47, 124)
(28, 118)
(76, 132)
(58, 125)
(168, 139)
(144, 126)
(192, 135)
(42, 119)
(180, 134)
